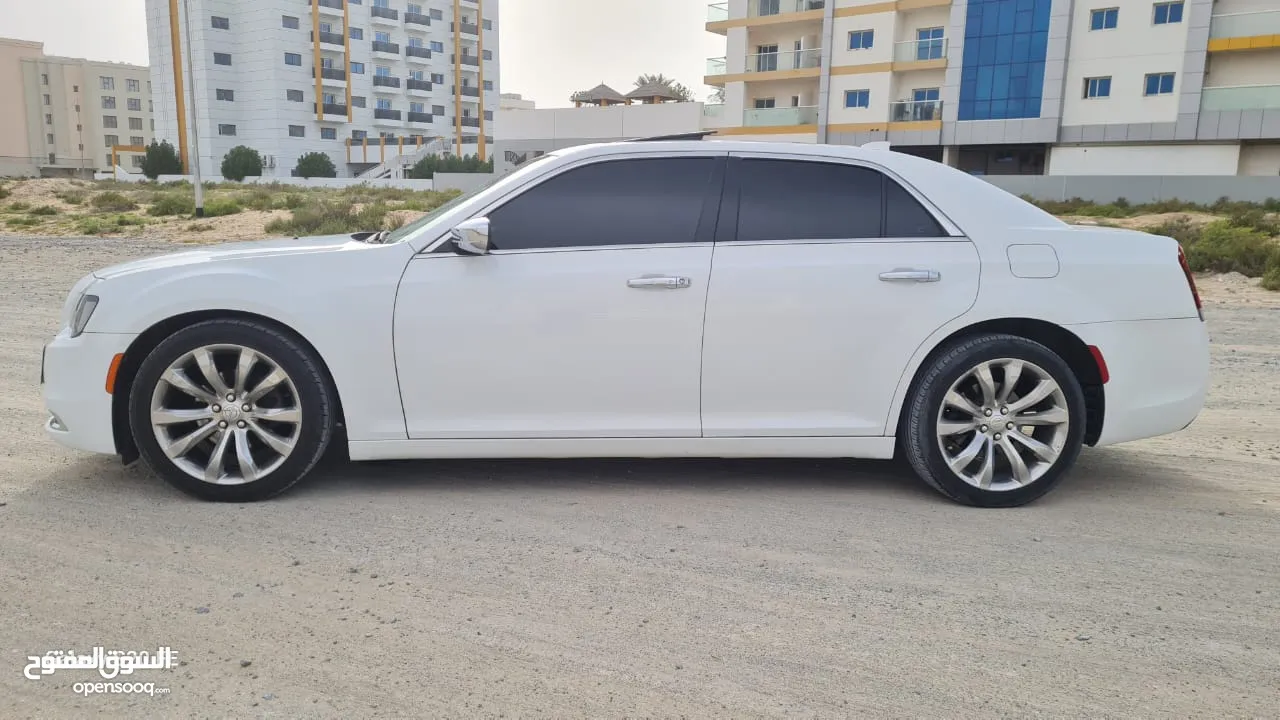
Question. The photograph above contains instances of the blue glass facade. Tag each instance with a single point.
(1002, 74)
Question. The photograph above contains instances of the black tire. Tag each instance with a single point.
(919, 438)
(314, 396)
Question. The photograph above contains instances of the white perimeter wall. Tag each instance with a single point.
(1144, 160)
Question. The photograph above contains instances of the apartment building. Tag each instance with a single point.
(62, 116)
(1010, 86)
(368, 82)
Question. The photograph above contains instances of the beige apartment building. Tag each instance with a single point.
(62, 116)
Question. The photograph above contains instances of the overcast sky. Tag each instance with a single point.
(550, 48)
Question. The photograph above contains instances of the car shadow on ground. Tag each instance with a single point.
(1107, 475)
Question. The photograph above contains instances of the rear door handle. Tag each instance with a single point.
(911, 275)
(659, 282)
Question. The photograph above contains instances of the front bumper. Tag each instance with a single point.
(73, 375)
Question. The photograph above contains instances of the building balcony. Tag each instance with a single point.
(1245, 31)
(915, 111)
(765, 8)
(384, 16)
(778, 117)
(718, 13)
(785, 61)
(386, 50)
(385, 114)
(330, 38)
(467, 91)
(385, 81)
(413, 18)
(413, 85)
(467, 28)
(471, 60)
(1240, 97)
(334, 109)
(717, 66)
(421, 117)
(333, 76)
(913, 51)
(471, 122)
(416, 54)
(331, 7)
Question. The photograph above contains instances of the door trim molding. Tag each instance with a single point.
(874, 448)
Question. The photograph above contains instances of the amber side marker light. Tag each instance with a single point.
(111, 372)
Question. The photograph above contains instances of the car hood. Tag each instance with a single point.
(234, 251)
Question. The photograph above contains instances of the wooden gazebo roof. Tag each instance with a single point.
(652, 92)
(600, 95)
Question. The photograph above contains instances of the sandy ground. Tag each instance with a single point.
(1147, 585)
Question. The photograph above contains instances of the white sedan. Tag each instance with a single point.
(668, 298)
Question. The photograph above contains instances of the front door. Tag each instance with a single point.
(584, 321)
(821, 292)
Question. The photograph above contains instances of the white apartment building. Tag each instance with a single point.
(368, 82)
(515, 101)
(62, 116)
(1070, 87)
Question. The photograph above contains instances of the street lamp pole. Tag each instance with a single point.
(194, 129)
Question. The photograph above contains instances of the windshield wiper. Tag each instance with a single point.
(373, 238)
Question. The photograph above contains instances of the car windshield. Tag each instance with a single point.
(412, 228)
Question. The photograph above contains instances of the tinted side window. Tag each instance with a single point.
(617, 202)
(905, 217)
(805, 200)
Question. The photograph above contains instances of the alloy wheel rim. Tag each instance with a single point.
(226, 414)
(1003, 424)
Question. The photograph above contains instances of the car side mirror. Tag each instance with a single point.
(471, 237)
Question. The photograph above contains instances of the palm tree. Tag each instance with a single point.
(677, 90)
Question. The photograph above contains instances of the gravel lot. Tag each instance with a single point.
(1147, 585)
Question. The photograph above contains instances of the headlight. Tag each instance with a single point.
(84, 311)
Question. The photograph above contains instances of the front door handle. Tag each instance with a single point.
(911, 275)
(660, 282)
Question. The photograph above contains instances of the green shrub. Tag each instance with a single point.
(315, 164)
(4, 192)
(112, 201)
(240, 162)
(292, 201)
(18, 206)
(161, 159)
(427, 167)
(199, 227)
(163, 204)
(21, 222)
(1223, 247)
(72, 197)
(217, 207)
(1271, 279)
(260, 198)
(128, 220)
(43, 211)
(92, 226)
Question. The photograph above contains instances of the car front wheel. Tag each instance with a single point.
(231, 410)
(995, 421)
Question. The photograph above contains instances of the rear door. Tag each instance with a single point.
(827, 277)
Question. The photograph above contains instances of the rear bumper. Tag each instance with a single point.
(1159, 375)
(73, 374)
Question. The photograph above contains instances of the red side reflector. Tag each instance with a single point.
(111, 372)
(1102, 363)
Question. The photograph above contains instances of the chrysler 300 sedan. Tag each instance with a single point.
(665, 298)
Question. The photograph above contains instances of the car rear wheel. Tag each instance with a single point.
(231, 410)
(995, 421)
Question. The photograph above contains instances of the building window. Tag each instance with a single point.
(487, 24)
(44, 79)
(131, 85)
(436, 14)
(77, 108)
(134, 104)
(414, 107)
(111, 140)
(437, 110)
(857, 98)
(292, 59)
(76, 88)
(437, 46)
(135, 123)
(107, 83)
(221, 58)
(437, 78)
(415, 42)
(1097, 87)
(108, 102)
(108, 163)
(381, 71)
(357, 68)
(227, 95)
(487, 54)
(137, 140)
(289, 22)
(488, 114)
(861, 39)
(109, 121)
(297, 131)
(417, 75)
(221, 23)
(384, 104)
(330, 98)
(1159, 84)
(359, 134)
(293, 95)
(1105, 19)
(929, 43)
(226, 129)
(357, 33)
(49, 138)
(1003, 69)
(153, 125)
(764, 103)
(382, 3)
(136, 160)
(48, 100)
(151, 106)
(1168, 13)
(328, 133)
(488, 84)
(358, 101)
(382, 37)
(413, 9)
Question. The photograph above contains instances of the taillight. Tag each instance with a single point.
(1191, 280)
